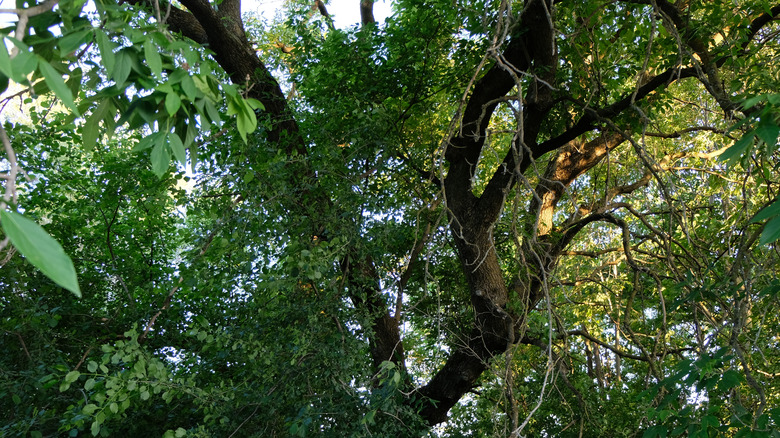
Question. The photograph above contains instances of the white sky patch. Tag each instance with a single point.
(345, 13)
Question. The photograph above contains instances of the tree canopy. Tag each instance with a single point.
(487, 218)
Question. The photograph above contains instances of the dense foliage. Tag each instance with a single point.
(493, 218)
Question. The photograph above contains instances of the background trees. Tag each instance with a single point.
(493, 218)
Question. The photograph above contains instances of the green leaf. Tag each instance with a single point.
(41, 250)
(24, 63)
(72, 41)
(92, 366)
(178, 148)
(752, 101)
(74, 81)
(172, 103)
(149, 141)
(212, 112)
(767, 212)
(771, 231)
(104, 112)
(202, 83)
(245, 115)
(180, 432)
(730, 379)
(72, 376)
(709, 421)
(244, 126)
(54, 80)
(5, 60)
(106, 47)
(89, 384)
(95, 428)
(153, 58)
(3, 83)
(256, 104)
(189, 88)
(122, 67)
(192, 131)
(768, 132)
(161, 159)
(90, 131)
(763, 421)
(738, 149)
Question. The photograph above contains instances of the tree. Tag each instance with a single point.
(542, 218)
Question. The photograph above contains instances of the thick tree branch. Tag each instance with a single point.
(570, 162)
(526, 45)
(367, 12)
(589, 120)
(757, 24)
(365, 293)
(320, 6)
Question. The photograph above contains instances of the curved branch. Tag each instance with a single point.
(530, 45)
(757, 24)
(571, 161)
(589, 120)
(620, 352)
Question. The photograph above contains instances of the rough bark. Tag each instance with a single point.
(530, 50)
(364, 292)
(367, 12)
(472, 218)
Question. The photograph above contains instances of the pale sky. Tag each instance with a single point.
(344, 12)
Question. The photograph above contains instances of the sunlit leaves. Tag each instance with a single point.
(244, 110)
